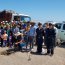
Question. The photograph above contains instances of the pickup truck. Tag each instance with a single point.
(61, 32)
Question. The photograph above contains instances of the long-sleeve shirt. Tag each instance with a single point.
(32, 31)
(16, 30)
(39, 32)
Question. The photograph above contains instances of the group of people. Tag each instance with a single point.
(14, 33)
(49, 35)
(17, 33)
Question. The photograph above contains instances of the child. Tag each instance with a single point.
(4, 37)
(10, 39)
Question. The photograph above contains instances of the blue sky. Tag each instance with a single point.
(40, 10)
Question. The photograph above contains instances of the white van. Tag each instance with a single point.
(61, 32)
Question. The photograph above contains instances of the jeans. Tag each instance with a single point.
(4, 42)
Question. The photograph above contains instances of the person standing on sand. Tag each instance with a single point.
(32, 33)
(4, 37)
(50, 39)
(39, 37)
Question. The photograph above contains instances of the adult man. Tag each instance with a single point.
(50, 39)
(16, 29)
(32, 33)
(39, 37)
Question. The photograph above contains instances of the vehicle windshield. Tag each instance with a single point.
(58, 25)
(22, 18)
(64, 27)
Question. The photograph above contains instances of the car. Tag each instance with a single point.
(61, 32)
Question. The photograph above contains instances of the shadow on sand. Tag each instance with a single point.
(13, 50)
(62, 45)
(35, 53)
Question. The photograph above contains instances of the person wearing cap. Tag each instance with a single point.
(39, 37)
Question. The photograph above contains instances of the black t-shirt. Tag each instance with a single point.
(19, 38)
(39, 32)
